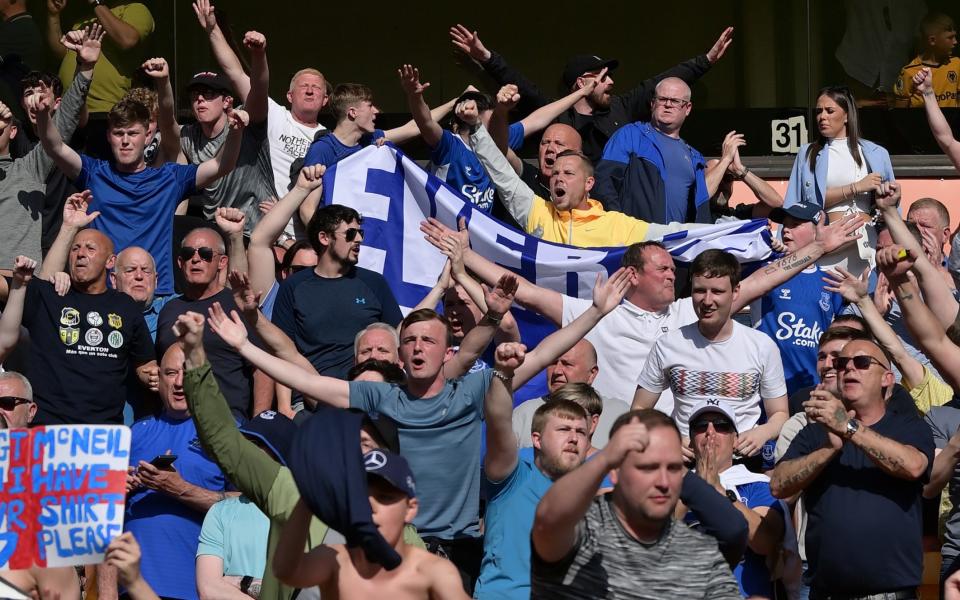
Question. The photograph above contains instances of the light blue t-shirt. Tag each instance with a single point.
(167, 529)
(512, 504)
(440, 438)
(328, 150)
(236, 531)
(136, 209)
(679, 177)
(454, 162)
(793, 315)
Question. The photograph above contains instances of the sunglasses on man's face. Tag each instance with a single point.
(11, 402)
(206, 253)
(351, 233)
(860, 363)
(297, 268)
(720, 426)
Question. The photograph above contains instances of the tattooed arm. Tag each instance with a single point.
(899, 460)
(791, 477)
(829, 238)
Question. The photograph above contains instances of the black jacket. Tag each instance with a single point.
(597, 128)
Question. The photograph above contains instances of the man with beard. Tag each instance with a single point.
(514, 487)
(322, 309)
(599, 114)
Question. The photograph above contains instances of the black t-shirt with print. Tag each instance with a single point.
(82, 348)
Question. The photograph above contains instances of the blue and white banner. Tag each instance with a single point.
(394, 194)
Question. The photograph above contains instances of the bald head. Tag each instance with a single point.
(670, 106)
(90, 256)
(135, 274)
(557, 138)
(576, 365)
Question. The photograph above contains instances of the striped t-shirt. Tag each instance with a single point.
(606, 562)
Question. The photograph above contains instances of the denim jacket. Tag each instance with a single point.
(811, 187)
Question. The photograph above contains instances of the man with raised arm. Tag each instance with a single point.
(289, 131)
(625, 543)
(450, 410)
(451, 156)
(26, 179)
(211, 97)
(624, 338)
(859, 464)
(136, 203)
(600, 113)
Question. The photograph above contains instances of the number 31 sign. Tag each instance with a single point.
(788, 135)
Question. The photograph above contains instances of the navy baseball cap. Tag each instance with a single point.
(585, 63)
(802, 211)
(273, 430)
(384, 427)
(392, 468)
(212, 80)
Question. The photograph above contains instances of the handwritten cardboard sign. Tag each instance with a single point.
(62, 492)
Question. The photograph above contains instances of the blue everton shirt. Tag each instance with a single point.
(794, 314)
(456, 164)
(169, 530)
(328, 150)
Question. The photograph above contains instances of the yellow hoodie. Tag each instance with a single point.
(593, 227)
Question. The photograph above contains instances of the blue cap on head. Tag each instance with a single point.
(802, 211)
(273, 430)
(392, 468)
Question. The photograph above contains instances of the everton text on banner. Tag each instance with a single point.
(62, 491)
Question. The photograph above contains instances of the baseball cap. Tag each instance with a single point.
(584, 63)
(803, 211)
(392, 468)
(212, 80)
(273, 430)
(384, 427)
(713, 405)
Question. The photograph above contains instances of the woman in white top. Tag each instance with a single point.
(841, 172)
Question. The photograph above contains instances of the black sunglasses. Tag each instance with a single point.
(11, 402)
(351, 233)
(860, 363)
(298, 268)
(720, 426)
(206, 253)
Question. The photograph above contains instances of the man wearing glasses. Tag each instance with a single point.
(323, 309)
(202, 261)
(713, 433)
(861, 469)
(17, 407)
(649, 172)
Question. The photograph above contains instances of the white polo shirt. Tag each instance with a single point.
(623, 340)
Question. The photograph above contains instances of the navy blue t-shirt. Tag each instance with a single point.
(328, 150)
(323, 316)
(794, 314)
(679, 177)
(455, 163)
(864, 527)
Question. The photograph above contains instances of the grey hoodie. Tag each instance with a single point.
(23, 183)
